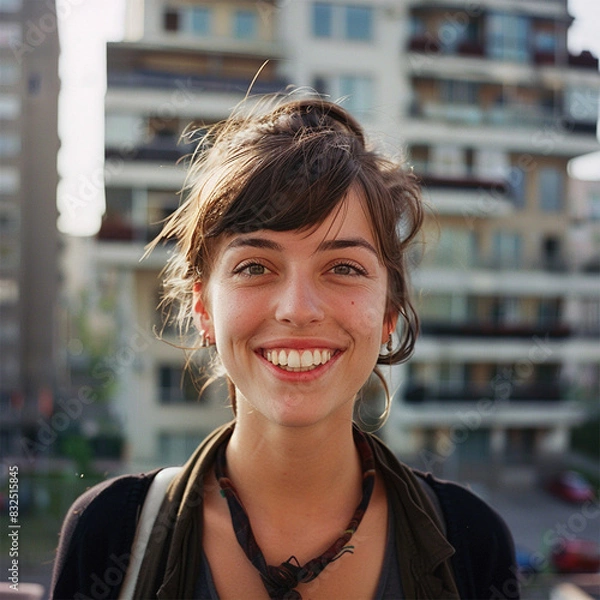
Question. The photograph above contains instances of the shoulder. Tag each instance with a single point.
(484, 559)
(96, 537)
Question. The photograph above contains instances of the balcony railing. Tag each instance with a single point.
(496, 116)
(429, 43)
(514, 392)
(116, 230)
(465, 183)
(195, 83)
(494, 330)
(164, 149)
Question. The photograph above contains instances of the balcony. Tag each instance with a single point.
(468, 196)
(114, 229)
(513, 392)
(465, 183)
(488, 329)
(428, 43)
(146, 78)
(525, 115)
(163, 148)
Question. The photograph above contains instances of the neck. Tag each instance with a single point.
(276, 466)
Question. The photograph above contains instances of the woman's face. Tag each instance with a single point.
(298, 317)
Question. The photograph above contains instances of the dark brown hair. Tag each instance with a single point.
(287, 168)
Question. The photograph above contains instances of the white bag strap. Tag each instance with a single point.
(154, 498)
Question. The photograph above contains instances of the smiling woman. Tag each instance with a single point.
(290, 261)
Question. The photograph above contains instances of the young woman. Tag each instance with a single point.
(291, 261)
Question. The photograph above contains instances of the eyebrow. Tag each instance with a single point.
(335, 244)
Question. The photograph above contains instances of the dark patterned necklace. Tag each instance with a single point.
(280, 581)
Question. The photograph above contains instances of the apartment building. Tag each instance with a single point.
(498, 109)
(29, 87)
(488, 106)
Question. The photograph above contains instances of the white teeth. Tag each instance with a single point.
(294, 360)
(283, 359)
(316, 357)
(306, 359)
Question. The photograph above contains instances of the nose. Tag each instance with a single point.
(299, 302)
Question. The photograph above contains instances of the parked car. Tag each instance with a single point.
(576, 556)
(571, 486)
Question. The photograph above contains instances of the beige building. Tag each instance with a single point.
(29, 87)
(489, 107)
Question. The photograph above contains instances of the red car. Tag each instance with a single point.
(576, 556)
(572, 487)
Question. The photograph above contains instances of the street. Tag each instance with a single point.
(538, 521)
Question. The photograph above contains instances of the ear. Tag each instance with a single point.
(201, 314)
(389, 326)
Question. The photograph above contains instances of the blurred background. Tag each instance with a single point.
(494, 104)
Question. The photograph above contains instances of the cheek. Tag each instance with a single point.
(368, 318)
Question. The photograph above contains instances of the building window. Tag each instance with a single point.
(544, 41)
(9, 291)
(516, 180)
(9, 72)
(461, 92)
(322, 20)
(552, 253)
(171, 20)
(508, 37)
(10, 144)
(245, 24)
(350, 22)
(448, 161)
(358, 92)
(10, 107)
(175, 386)
(359, 23)
(10, 180)
(10, 6)
(491, 164)
(456, 248)
(594, 206)
(196, 20)
(176, 447)
(507, 250)
(124, 131)
(582, 104)
(550, 189)
(11, 35)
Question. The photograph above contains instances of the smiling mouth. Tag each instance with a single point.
(298, 360)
